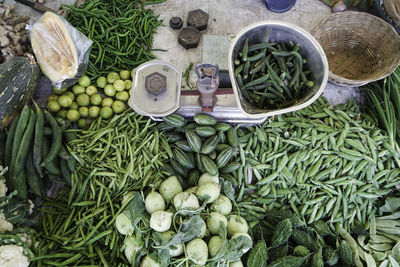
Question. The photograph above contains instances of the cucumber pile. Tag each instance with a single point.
(34, 152)
(202, 146)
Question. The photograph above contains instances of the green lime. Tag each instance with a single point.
(112, 77)
(52, 98)
(107, 102)
(124, 74)
(70, 94)
(81, 123)
(73, 115)
(132, 72)
(128, 85)
(83, 100)
(84, 111)
(91, 90)
(94, 111)
(101, 82)
(118, 106)
(62, 114)
(74, 105)
(119, 85)
(78, 89)
(53, 106)
(106, 112)
(95, 99)
(84, 81)
(59, 91)
(123, 96)
(65, 100)
(109, 90)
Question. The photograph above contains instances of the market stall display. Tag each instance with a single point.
(89, 182)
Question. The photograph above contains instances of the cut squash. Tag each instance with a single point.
(54, 48)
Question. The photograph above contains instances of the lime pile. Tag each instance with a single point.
(85, 101)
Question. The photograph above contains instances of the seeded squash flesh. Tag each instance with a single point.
(19, 78)
(54, 48)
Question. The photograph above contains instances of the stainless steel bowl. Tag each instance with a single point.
(281, 31)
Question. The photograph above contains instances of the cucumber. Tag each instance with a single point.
(230, 167)
(21, 185)
(210, 145)
(22, 123)
(184, 145)
(65, 173)
(38, 141)
(194, 141)
(25, 144)
(9, 141)
(175, 120)
(34, 180)
(47, 131)
(204, 119)
(205, 131)
(183, 159)
(221, 127)
(232, 137)
(209, 165)
(56, 140)
(224, 157)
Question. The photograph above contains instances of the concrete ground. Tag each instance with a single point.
(227, 17)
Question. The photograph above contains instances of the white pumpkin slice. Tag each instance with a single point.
(54, 48)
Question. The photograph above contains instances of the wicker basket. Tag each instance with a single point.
(360, 47)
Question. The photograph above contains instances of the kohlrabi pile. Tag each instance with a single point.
(168, 226)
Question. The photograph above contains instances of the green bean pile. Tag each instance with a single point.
(322, 162)
(272, 74)
(114, 157)
(121, 31)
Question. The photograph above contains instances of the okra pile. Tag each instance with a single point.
(272, 75)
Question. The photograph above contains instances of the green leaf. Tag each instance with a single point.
(229, 191)
(233, 249)
(396, 252)
(392, 204)
(322, 228)
(135, 210)
(282, 233)
(393, 262)
(291, 261)
(258, 255)
(187, 231)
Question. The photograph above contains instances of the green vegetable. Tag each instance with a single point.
(185, 201)
(193, 141)
(301, 251)
(18, 80)
(282, 233)
(222, 205)
(205, 131)
(197, 251)
(209, 145)
(154, 202)
(169, 188)
(175, 120)
(215, 221)
(208, 192)
(124, 224)
(236, 224)
(258, 255)
(205, 120)
(214, 245)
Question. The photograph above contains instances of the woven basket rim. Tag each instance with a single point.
(337, 79)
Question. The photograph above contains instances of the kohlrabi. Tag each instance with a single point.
(197, 251)
(206, 178)
(148, 261)
(214, 245)
(236, 224)
(154, 202)
(169, 188)
(131, 246)
(245, 235)
(222, 205)
(214, 222)
(176, 250)
(160, 221)
(209, 191)
(124, 224)
(185, 201)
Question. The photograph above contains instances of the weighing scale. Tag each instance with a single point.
(156, 87)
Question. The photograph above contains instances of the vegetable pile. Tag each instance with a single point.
(35, 152)
(127, 27)
(83, 102)
(179, 224)
(272, 74)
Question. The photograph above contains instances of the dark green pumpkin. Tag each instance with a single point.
(19, 78)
